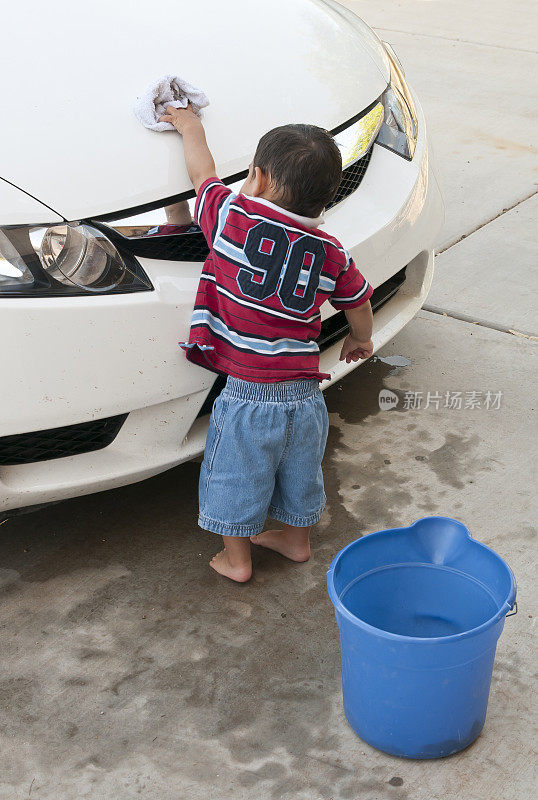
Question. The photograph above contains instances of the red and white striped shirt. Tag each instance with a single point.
(257, 310)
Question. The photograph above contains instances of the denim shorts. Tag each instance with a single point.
(263, 457)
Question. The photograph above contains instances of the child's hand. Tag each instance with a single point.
(198, 158)
(353, 350)
(180, 118)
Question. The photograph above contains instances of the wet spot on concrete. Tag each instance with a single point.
(269, 771)
(396, 781)
(395, 498)
(370, 790)
(378, 501)
(88, 652)
(359, 395)
(115, 687)
(455, 459)
(8, 577)
(16, 693)
(527, 533)
(92, 761)
(341, 518)
(397, 362)
(75, 682)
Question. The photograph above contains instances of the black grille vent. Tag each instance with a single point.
(182, 247)
(27, 448)
(351, 178)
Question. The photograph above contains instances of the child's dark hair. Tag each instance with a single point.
(305, 166)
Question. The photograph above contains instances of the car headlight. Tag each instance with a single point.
(355, 140)
(399, 129)
(72, 258)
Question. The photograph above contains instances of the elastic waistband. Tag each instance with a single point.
(283, 392)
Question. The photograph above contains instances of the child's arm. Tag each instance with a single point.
(358, 343)
(198, 158)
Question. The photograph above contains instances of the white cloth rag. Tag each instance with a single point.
(168, 91)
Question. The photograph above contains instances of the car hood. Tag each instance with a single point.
(70, 78)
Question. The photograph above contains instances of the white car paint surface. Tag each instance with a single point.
(76, 144)
(77, 151)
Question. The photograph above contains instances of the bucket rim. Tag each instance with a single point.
(425, 640)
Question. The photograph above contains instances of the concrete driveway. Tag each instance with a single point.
(128, 669)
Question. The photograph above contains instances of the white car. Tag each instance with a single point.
(94, 292)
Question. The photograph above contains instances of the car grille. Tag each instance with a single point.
(332, 330)
(351, 179)
(185, 247)
(71, 440)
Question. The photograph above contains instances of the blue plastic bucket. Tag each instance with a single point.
(420, 610)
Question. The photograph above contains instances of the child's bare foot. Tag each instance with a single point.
(237, 572)
(293, 543)
(234, 561)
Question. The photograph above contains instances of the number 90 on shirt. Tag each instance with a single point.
(289, 269)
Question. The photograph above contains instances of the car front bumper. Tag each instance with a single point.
(70, 360)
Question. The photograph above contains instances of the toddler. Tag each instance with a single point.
(256, 320)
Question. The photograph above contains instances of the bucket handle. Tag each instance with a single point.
(513, 610)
